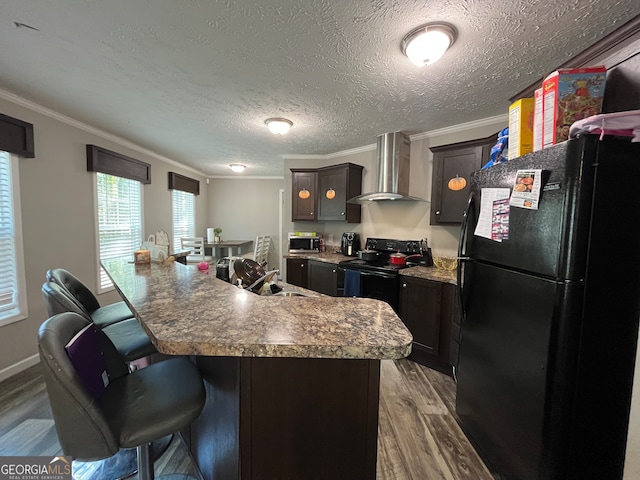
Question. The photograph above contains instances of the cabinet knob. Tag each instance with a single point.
(302, 264)
(404, 285)
(342, 214)
(333, 271)
(438, 212)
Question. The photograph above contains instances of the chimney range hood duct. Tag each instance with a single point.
(393, 171)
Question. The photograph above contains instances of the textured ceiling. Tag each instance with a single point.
(194, 80)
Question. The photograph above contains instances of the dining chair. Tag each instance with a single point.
(261, 247)
(196, 246)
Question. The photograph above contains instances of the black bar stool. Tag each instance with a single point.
(95, 421)
(101, 316)
(128, 337)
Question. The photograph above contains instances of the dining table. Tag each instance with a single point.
(292, 380)
(227, 246)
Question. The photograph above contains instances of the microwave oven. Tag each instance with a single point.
(302, 244)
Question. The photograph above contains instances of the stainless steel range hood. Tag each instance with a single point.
(393, 171)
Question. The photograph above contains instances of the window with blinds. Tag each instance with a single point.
(119, 219)
(13, 300)
(183, 206)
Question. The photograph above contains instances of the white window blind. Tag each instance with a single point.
(119, 219)
(13, 305)
(183, 205)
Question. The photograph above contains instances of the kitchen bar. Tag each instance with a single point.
(292, 383)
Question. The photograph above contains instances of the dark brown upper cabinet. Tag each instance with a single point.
(452, 168)
(321, 194)
(336, 185)
(304, 184)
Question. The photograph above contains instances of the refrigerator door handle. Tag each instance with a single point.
(462, 256)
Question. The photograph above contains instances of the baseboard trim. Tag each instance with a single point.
(18, 367)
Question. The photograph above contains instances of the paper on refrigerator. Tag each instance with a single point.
(485, 219)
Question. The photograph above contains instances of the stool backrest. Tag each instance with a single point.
(82, 428)
(58, 300)
(75, 288)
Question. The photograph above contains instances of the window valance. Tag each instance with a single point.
(105, 161)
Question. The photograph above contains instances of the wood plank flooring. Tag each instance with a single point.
(419, 438)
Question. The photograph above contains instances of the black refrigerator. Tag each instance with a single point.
(550, 315)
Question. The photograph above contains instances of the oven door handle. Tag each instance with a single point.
(391, 276)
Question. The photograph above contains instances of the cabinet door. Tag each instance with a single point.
(332, 194)
(450, 161)
(297, 272)
(323, 277)
(420, 310)
(336, 185)
(303, 201)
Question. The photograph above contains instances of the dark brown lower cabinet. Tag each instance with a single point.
(427, 308)
(297, 272)
(323, 277)
(287, 418)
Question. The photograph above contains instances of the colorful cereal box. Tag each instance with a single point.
(537, 120)
(570, 95)
(520, 127)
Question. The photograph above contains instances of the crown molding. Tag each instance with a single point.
(484, 122)
(37, 108)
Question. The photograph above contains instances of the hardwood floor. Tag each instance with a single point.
(419, 438)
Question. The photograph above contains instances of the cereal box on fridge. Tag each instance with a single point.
(520, 127)
(569, 95)
(537, 120)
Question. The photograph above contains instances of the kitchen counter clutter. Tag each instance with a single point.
(187, 312)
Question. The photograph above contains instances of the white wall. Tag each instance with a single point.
(245, 208)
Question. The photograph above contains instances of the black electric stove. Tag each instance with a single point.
(379, 278)
(385, 247)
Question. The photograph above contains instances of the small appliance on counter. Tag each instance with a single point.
(425, 258)
(304, 242)
(350, 244)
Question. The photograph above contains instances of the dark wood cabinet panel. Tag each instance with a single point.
(298, 272)
(451, 161)
(287, 418)
(420, 305)
(323, 277)
(303, 207)
(336, 185)
(428, 309)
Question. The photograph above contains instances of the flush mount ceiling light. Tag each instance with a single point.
(237, 167)
(279, 126)
(427, 43)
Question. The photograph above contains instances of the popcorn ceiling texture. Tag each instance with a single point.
(195, 80)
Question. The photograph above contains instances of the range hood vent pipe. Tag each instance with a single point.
(393, 171)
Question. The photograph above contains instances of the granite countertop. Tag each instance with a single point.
(430, 273)
(187, 312)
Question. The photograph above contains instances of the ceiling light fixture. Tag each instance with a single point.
(426, 44)
(279, 126)
(237, 167)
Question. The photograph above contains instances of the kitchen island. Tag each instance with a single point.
(292, 382)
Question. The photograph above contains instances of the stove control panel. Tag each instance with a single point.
(390, 245)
